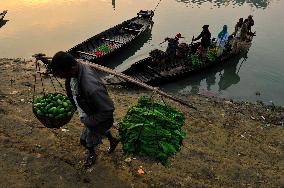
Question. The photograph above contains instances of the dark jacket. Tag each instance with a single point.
(250, 24)
(92, 95)
(172, 46)
(205, 38)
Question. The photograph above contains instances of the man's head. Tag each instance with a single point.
(178, 35)
(63, 65)
(205, 27)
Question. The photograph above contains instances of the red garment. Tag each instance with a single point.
(99, 53)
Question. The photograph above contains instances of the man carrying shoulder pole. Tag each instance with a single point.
(86, 92)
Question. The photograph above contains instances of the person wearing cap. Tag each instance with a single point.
(221, 40)
(172, 45)
(205, 36)
(86, 92)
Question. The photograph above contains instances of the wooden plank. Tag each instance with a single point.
(112, 40)
(129, 29)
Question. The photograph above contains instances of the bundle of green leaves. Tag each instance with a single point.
(212, 54)
(212, 44)
(152, 129)
(195, 60)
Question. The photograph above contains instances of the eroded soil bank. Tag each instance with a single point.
(228, 143)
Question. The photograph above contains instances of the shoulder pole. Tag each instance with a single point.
(137, 82)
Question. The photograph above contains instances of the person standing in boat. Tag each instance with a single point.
(250, 24)
(222, 38)
(244, 30)
(238, 28)
(237, 34)
(172, 45)
(86, 92)
(205, 36)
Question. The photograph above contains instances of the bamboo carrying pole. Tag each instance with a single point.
(43, 58)
(133, 80)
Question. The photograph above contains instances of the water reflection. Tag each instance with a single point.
(254, 3)
(230, 75)
(113, 4)
(131, 49)
(226, 75)
(2, 16)
(3, 22)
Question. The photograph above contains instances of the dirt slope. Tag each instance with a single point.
(228, 143)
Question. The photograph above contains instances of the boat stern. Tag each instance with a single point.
(145, 14)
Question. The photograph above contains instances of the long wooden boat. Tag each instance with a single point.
(156, 71)
(111, 41)
(2, 14)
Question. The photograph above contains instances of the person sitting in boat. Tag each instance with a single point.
(205, 36)
(221, 40)
(228, 48)
(172, 45)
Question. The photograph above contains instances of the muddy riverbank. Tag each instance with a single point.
(228, 143)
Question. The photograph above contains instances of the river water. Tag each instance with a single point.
(52, 25)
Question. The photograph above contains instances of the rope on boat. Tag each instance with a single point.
(157, 6)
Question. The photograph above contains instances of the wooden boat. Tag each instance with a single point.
(155, 71)
(111, 41)
(2, 15)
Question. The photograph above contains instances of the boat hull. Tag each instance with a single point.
(158, 73)
(114, 40)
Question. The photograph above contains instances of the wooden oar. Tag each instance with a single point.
(133, 80)
(163, 42)
(241, 65)
(192, 40)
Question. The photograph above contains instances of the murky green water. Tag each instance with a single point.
(52, 25)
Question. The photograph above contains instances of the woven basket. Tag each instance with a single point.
(51, 122)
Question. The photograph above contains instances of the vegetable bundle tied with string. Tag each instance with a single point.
(152, 129)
